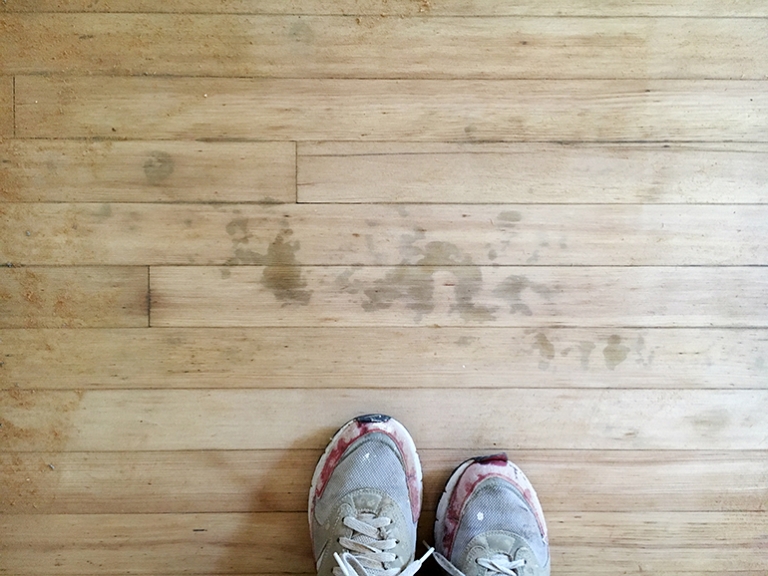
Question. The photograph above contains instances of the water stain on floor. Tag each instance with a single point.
(644, 357)
(615, 353)
(508, 219)
(416, 284)
(465, 341)
(586, 351)
(546, 350)
(711, 423)
(282, 272)
(545, 347)
(512, 289)
(238, 231)
(158, 167)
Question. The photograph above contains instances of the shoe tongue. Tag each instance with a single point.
(367, 502)
(500, 543)
(362, 538)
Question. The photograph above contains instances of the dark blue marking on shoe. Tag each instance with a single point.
(501, 458)
(373, 418)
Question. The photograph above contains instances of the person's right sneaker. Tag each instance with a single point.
(490, 521)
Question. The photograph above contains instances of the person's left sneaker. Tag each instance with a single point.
(365, 501)
(490, 522)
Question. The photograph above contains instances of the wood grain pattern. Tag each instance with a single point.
(188, 482)
(386, 358)
(459, 296)
(283, 235)
(205, 543)
(73, 297)
(6, 109)
(349, 47)
(549, 173)
(87, 171)
(534, 226)
(146, 543)
(552, 8)
(412, 110)
(91, 420)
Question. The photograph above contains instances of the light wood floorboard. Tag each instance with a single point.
(108, 420)
(147, 171)
(433, 295)
(391, 110)
(376, 47)
(365, 235)
(205, 543)
(81, 297)
(527, 172)
(388, 358)
(186, 482)
(6, 107)
(552, 8)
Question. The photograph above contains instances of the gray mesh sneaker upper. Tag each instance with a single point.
(495, 506)
(490, 522)
(371, 462)
(496, 517)
(368, 483)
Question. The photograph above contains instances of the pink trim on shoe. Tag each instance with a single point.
(470, 475)
(356, 429)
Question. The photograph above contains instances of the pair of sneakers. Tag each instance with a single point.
(365, 501)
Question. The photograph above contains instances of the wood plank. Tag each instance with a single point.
(459, 296)
(109, 420)
(437, 235)
(149, 543)
(87, 171)
(415, 110)
(348, 47)
(576, 173)
(187, 482)
(432, 569)
(207, 543)
(383, 358)
(6, 111)
(86, 297)
(700, 8)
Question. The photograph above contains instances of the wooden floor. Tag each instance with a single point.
(229, 226)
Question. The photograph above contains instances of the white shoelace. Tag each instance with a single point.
(497, 564)
(368, 549)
